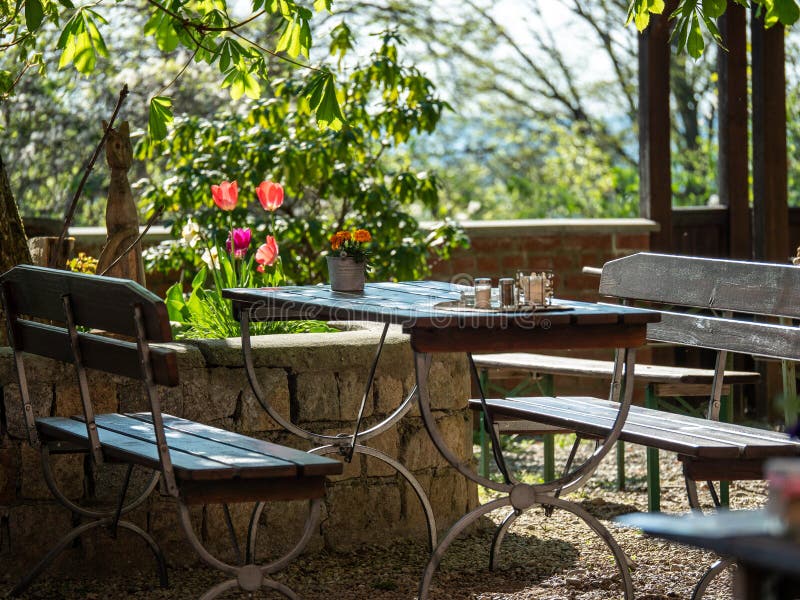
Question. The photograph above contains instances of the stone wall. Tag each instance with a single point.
(317, 379)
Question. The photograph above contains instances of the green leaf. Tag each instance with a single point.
(329, 113)
(714, 8)
(641, 20)
(81, 41)
(781, 11)
(34, 13)
(200, 279)
(320, 5)
(176, 305)
(160, 116)
(695, 44)
(162, 27)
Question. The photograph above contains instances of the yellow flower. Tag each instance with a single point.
(362, 236)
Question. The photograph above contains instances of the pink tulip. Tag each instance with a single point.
(225, 195)
(270, 195)
(267, 254)
(241, 242)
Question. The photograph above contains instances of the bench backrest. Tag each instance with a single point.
(93, 322)
(721, 304)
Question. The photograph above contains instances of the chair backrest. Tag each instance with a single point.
(93, 322)
(104, 305)
(712, 303)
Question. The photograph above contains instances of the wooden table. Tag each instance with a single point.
(424, 310)
(768, 559)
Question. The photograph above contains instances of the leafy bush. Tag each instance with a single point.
(333, 180)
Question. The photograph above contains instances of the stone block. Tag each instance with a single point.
(102, 393)
(105, 482)
(214, 531)
(251, 415)
(132, 398)
(361, 512)
(418, 451)
(352, 384)
(317, 397)
(219, 399)
(67, 471)
(165, 527)
(9, 472)
(389, 443)
(7, 371)
(453, 495)
(414, 520)
(41, 396)
(449, 382)
(280, 528)
(389, 393)
(32, 532)
(449, 492)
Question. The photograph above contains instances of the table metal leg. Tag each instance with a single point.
(348, 444)
(401, 470)
(712, 572)
(521, 496)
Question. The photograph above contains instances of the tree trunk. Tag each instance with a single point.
(13, 243)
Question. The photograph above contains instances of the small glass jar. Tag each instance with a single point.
(507, 299)
(468, 298)
(483, 292)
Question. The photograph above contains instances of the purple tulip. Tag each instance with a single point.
(241, 242)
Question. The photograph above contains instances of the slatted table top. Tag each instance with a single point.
(413, 304)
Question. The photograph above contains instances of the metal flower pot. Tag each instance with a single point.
(346, 274)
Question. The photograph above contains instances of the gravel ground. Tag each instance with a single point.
(550, 558)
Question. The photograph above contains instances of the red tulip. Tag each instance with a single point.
(270, 194)
(267, 254)
(226, 194)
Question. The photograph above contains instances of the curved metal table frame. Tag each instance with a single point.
(346, 445)
(522, 496)
(416, 307)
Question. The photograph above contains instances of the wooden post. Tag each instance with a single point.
(655, 179)
(770, 195)
(733, 170)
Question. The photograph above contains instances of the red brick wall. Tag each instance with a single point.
(562, 246)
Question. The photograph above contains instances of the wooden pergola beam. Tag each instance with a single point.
(770, 193)
(655, 178)
(733, 166)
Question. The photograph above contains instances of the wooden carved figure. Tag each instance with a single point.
(122, 219)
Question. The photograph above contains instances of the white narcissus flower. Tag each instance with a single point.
(191, 233)
(211, 258)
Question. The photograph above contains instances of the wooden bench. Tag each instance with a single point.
(660, 382)
(722, 305)
(110, 325)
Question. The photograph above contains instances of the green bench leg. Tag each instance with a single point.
(653, 476)
(549, 440)
(620, 466)
(726, 415)
(484, 441)
(483, 467)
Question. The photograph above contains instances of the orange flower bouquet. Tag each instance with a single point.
(347, 262)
